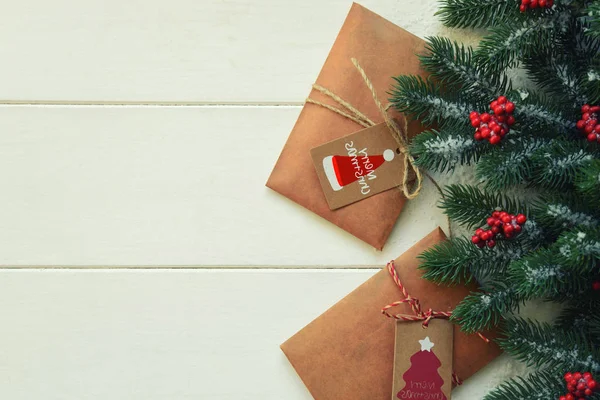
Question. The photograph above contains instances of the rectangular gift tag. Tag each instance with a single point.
(358, 166)
(423, 360)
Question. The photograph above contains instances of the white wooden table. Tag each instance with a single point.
(138, 135)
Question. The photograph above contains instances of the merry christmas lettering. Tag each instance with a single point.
(414, 391)
(362, 172)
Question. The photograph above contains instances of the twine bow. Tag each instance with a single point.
(418, 313)
(399, 134)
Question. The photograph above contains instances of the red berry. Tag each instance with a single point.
(485, 133)
(533, 3)
(585, 116)
(510, 120)
(485, 117)
(594, 109)
(570, 397)
(495, 229)
(588, 128)
(521, 219)
(475, 239)
(495, 139)
(490, 221)
(585, 108)
(580, 124)
(498, 110)
(523, 8)
(475, 122)
(473, 114)
(568, 376)
(587, 376)
(581, 386)
(588, 392)
(562, 398)
(506, 219)
(479, 231)
(478, 136)
(496, 214)
(491, 243)
(498, 222)
(502, 99)
(573, 383)
(592, 384)
(501, 118)
(508, 229)
(518, 229)
(503, 214)
(494, 103)
(597, 129)
(542, 3)
(577, 376)
(510, 106)
(496, 128)
(591, 137)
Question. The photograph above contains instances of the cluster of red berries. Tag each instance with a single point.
(500, 223)
(494, 126)
(580, 386)
(531, 4)
(589, 124)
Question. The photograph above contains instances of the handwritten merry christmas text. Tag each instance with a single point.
(362, 172)
(417, 390)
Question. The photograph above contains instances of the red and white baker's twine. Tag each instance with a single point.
(418, 315)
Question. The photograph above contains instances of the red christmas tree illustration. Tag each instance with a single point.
(422, 378)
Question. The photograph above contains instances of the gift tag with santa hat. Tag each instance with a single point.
(423, 360)
(358, 166)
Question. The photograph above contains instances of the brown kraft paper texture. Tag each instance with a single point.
(383, 50)
(348, 352)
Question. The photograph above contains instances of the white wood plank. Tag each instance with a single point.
(155, 334)
(166, 186)
(181, 50)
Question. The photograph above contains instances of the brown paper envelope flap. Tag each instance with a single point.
(347, 352)
(384, 50)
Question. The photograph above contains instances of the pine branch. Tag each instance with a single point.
(580, 249)
(541, 346)
(539, 116)
(453, 66)
(508, 42)
(557, 214)
(582, 318)
(593, 12)
(557, 166)
(423, 100)
(470, 206)
(510, 164)
(481, 311)
(548, 274)
(457, 261)
(540, 385)
(442, 150)
(477, 14)
(587, 182)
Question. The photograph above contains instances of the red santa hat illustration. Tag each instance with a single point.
(341, 170)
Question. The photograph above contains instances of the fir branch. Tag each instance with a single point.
(458, 261)
(510, 164)
(592, 83)
(477, 14)
(580, 249)
(559, 213)
(557, 166)
(540, 385)
(510, 41)
(582, 318)
(483, 310)
(587, 182)
(537, 115)
(541, 346)
(470, 206)
(444, 149)
(593, 12)
(453, 66)
(423, 100)
(546, 274)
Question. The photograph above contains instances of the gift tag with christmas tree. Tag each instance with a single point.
(423, 360)
(358, 166)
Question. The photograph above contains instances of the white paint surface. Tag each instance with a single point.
(98, 167)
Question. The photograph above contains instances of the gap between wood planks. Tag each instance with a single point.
(70, 103)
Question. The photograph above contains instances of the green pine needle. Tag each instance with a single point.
(477, 13)
(540, 385)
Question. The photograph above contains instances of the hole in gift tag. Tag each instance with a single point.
(397, 151)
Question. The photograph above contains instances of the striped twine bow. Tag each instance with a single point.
(418, 315)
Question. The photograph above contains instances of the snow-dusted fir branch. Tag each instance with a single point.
(539, 345)
(540, 385)
(510, 165)
(581, 249)
(477, 13)
(557, 166)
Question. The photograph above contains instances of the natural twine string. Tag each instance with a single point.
(399, 134)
